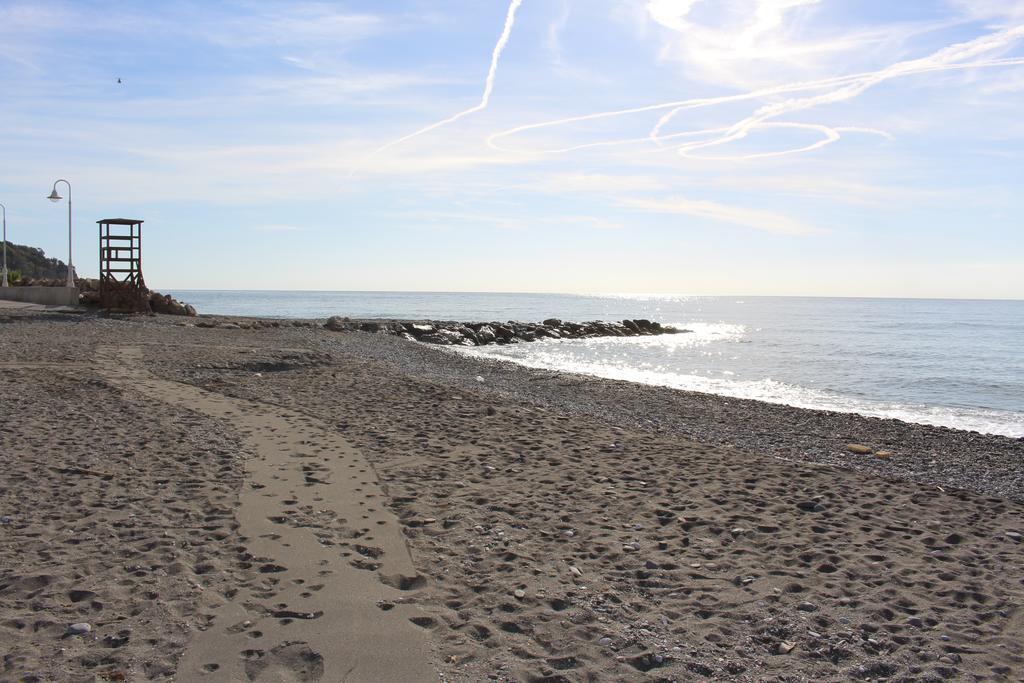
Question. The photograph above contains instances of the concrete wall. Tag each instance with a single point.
(47, 296)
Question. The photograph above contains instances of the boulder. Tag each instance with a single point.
(485, 334)
(335, 324)
(417, 329)
(505, 333)
(553, 322)
(446, 338)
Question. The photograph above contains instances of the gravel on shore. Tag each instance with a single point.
(561, 528)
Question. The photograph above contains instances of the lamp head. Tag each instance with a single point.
(54, 197)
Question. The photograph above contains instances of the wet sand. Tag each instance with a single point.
(296, 504)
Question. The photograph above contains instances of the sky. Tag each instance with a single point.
(749, 147)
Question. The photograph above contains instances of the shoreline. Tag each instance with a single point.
(560, 527)
(390, 326)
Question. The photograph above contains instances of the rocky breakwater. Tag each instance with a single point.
(89, 295)
(512, 332)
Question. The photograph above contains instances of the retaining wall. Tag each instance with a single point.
(46, 296)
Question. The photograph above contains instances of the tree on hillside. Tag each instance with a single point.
(32, 262)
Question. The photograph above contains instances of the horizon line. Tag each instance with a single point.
(604, 294)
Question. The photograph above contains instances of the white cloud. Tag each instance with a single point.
(599, 183)
(504, 221)
(757, 219)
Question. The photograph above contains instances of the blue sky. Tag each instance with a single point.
(815, 147)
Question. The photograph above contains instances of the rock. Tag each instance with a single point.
(810, 506)
(859, 449)
(576, 571)
(785, 647)
(1013, 536)
(605, 641)
(79, 629)
(519, 594)
(553, 322)
(446, 338)
(883, 455)
(336, 324)
(915, 622)
(6, 519)
(807, 607)
(419, 329)
(485, 335)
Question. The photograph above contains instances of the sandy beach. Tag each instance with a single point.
(272, 501)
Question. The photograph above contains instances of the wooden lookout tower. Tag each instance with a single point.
(122, 287)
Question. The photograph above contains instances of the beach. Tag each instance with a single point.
(237, 499)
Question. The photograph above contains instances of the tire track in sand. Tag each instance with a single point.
(327, 582)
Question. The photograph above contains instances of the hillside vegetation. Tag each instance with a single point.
(31, 262)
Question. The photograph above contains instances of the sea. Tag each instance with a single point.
(956, 363)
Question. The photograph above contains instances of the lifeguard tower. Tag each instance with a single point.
(122, 287)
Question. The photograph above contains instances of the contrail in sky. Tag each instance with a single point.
(838, 89)
(499, 47)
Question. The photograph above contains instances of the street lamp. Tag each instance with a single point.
(54, 197)
(4, 210)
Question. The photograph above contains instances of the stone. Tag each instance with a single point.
(485, 335)
(810, 506)
(445, 338)
(334, 323)
(576, 571)
(807, 607)
(553, 322)
(519, 593)
(785, 647)
(79, 629)
(883, 455)
(915, 622)
(605, 641)
(417, 329)
(859, 449)
(1013, 536)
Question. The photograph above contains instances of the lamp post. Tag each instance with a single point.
(4, 210)
(54, 197)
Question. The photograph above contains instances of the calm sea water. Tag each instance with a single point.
(947, 362)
